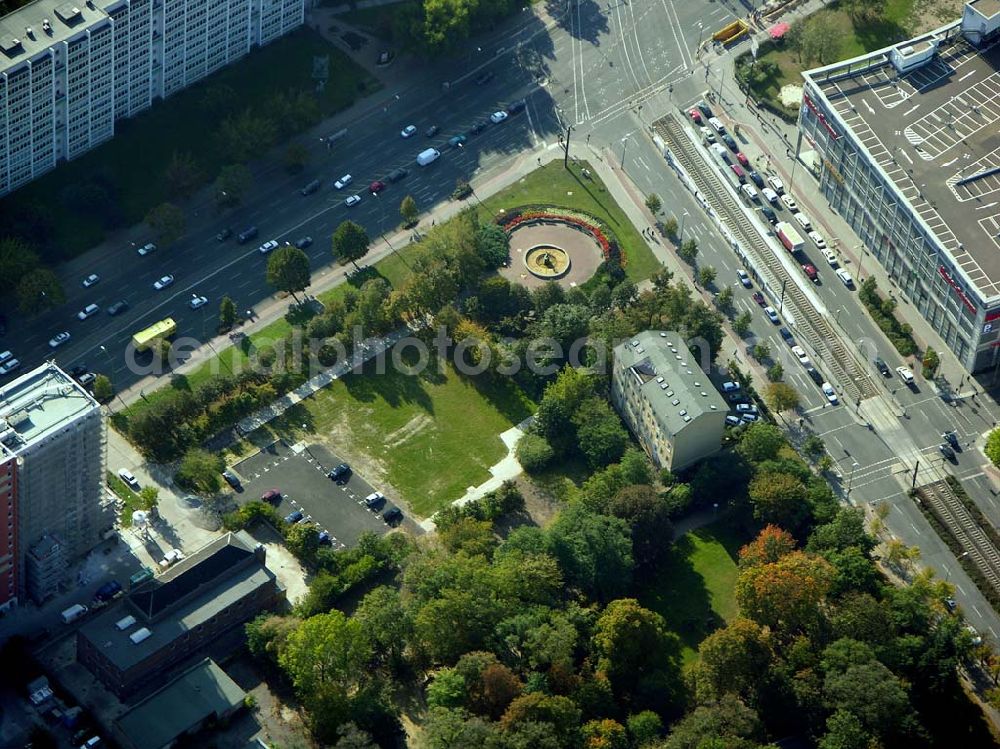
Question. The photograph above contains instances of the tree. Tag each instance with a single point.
(776, 372)
(493, 245)
(534, 453)
(864, 10)
(246, 134)
(930, 362)
(688, 251)
(821, 40)
(103, 390)
(408, 211)
(199, 471)
(446, 690)
(296, 157)
(724, 299)
(227, 313)
(706, 275)
(453, 729)
(785, 595)
(538, 707)
(761, 442)
(870, 692)
(288, 270)
(653, 203)
(183, 176)
(814, 446)
(149, 496)
(388, 623)
(600, 434)
(844, 731)
(742, 323)
(604, 734)
(327, 649)
(732, 660)
(350, 243)
(644, 727)
(779, 498)
(17, 260)
(302, 539)
(670, 227)
(761, 351)
(231, 185)
(594, 551)
(167, 221)
(649, 517)
(39, 290)
(726, 723)
(631, 643)
(781, 396)
(771, 544)
(992, 448)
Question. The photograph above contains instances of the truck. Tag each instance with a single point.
(162, 329)
(789, 237)
(428, 156)
(73, 613)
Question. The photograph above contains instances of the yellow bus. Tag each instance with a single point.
(162, 329)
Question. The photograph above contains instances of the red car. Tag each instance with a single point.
(742, 158)
(696, 116)
(810, 271)
(376, 187)
(759, 298)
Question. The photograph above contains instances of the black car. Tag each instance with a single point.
(232, 479)
(882, 367)
(223, 235)
(483, 78)
(786, 334)
(516, 107)
(477, 127)
(108, 591)
(303, 242)
(769, 214)
(705, 109)
(311, 187)
(78, 371)
(730, 143)
(3, 325)
(294, 517)
(340, 473)
(814, 375)
(757, 179)
(432, 131)
(117, 308)
(946, 452)
(393, 515)
(951, 438)
(396, 174)
(247, 234)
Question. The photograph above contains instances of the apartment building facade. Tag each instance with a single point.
(70, 70)
(55, 432)
(8, 533)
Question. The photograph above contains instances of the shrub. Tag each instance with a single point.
(199, 471)
(534, 453)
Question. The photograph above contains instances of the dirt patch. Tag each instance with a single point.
(412, 428)
(930, 14)
(791, 96)
(540, 504)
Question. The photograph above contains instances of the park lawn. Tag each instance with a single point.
(430, 436)
(694, 586)
(393, 268)
(567, 188)
(183, 124)
(378, 21)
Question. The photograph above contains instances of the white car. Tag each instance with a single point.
(91, 280)
(147, 248)
(89, 311)
(408, 131)
(353, 200)
(198, 301)
(707, 134)
(845, 278)
(343, 182)
(772, 314)
(829, 392)
(748, 418)
(803, 220)
(817, 238)
(59, 339)
(776, 184)
(790, 203)
(129, 478)
(271, 244)
(800, 354)
(771, 195)
(730, 387)
(746, 408)
(497, 117)
(9, 366)
(163, 283)
(750, 192)
(716, 124)
(733, 421)
(905, 375)
(744, 278)
(831, 258)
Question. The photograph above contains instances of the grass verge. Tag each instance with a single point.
(694, 586)
(126, 495)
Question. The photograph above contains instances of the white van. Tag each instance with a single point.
(771, 195)
(803, 220)
(749, 192)
(905, 375)
(845, 278)
(716, 124)
(73, 613)
(428, 156)
(721, 151)
(776, 184)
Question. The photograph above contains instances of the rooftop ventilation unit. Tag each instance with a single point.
(139, 635)
(122, 624)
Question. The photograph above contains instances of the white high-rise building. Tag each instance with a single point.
(70, 70)
(55, 432)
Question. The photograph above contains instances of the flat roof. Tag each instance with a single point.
(670, 378)
(988, 8)
(201, 692)
(933, 131)
(65, 20)
(38, 403)
(194, 591)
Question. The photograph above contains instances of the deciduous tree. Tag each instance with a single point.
(350, 243)
(779, 498)
(781, 396)
(594, 551)
(732, 660)
(227, 313)
(199, 471)
(183, 175)
(38, 290)
(653, 203)
(785, 595)
(408, 211)
(632, 643)
(771, 544)
(288, 270)
(326, 649)
(231, 185)
(103, 390)
(167, 221)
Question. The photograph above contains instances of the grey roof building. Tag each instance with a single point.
(164, 621)
(666, 399)
(202, 694)
(55, 431)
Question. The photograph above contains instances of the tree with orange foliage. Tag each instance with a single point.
(732, 660)
(785, 595)
(771, 544)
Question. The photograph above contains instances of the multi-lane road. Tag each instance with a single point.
(607, 71)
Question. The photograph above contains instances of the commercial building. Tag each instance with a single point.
(8, 536)
(70, 70)
(667, 400)
(905, 145)
(165, 621)
(54, 431)
(203, 694)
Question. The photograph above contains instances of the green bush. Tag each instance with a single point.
(534, 453)
(200, 471)
(882, 312)
(497, 503)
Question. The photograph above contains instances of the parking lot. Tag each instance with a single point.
(299, 473)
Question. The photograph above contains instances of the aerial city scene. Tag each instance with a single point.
(495, 374)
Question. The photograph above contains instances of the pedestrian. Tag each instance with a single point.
(539, 161)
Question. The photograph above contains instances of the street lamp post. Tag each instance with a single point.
(680, 233)
(850, 479)
(947, 577)
(624, 146)
(781, 302)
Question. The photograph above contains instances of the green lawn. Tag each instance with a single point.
(430, 435)
(377, 21)
(135, 160)
(554, 185)
(694, 587)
